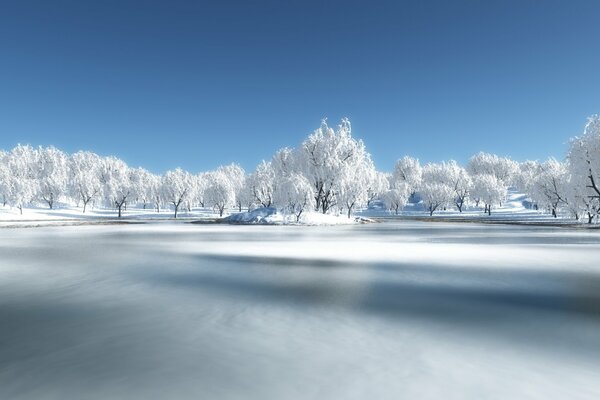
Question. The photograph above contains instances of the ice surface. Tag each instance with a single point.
(393, 310)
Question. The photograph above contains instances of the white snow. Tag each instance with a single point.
(272, 216)
(400, 309)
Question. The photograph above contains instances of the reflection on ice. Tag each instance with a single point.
(393, 310)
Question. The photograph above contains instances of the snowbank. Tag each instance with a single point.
(272, 216)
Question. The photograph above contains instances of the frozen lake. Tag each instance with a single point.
(395, 310)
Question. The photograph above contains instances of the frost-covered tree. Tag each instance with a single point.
(294, 193)
(261, 184)
(526, 176)
(409, 172)
(550, 185)
(378, 186)
(21, 170)
(325, 158)
(141, 180)
(435, 189)
(175, 187)
(220, 191)
(503, 168)
(584, 165)
(489, 190)
(354, 186)
(116, 180)
(237, 177)
(4, 176)
(84, 175)
(53, 169)
(201, 182)
(459, 180)
(396, 198)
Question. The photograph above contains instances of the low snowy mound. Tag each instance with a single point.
(273, 216)
(264, 215)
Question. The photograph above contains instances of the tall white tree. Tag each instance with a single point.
(220, 191)
(22, 172)
(550, 185)
(435, 189)
(325, 158)
(396, 198)
(459, 180)
(116, 180)
(584, 164)
(85, 176)
(407, 171)
(489, 190)
(176, 186)
(503, 168)
(237, 177)
(294, 193)
(53, 169)
(261, 184)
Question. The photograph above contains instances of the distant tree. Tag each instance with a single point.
(261, 184)
(176, 187)
(52, 172)
(550, 185)
(435, 189)
(396, 198)
(220, 191)
(490, 190)
(294, 193)
(21, 172)
(503, 168)
(116, 180)
(407, 173)
(85, 176)
(526, 176)
(459, 180)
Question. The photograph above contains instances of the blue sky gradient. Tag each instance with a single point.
(197, 84)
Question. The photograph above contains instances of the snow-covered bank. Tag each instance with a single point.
(387, 311)
(272, 216)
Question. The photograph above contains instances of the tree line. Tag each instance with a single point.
(329, 172)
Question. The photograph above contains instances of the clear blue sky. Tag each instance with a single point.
(197, 84)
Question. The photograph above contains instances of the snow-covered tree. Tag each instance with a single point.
(526, 176)
(53, 169)
(142, 180)
(175, 187)
(116, 180)
(378, 186)
(408, 171)
(354, 186)
(489, 190)
(396, 198)
(261, 184)
(584, 165)
(435, 189)
(503, 168)
(325, 158)
(220, 191)
(459, 180)
(21, 169)
(294, 193)
(550, 185)
(84, 175)
(237, 177)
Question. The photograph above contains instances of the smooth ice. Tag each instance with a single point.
(396, 310)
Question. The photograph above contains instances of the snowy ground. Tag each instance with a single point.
(395, 310)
